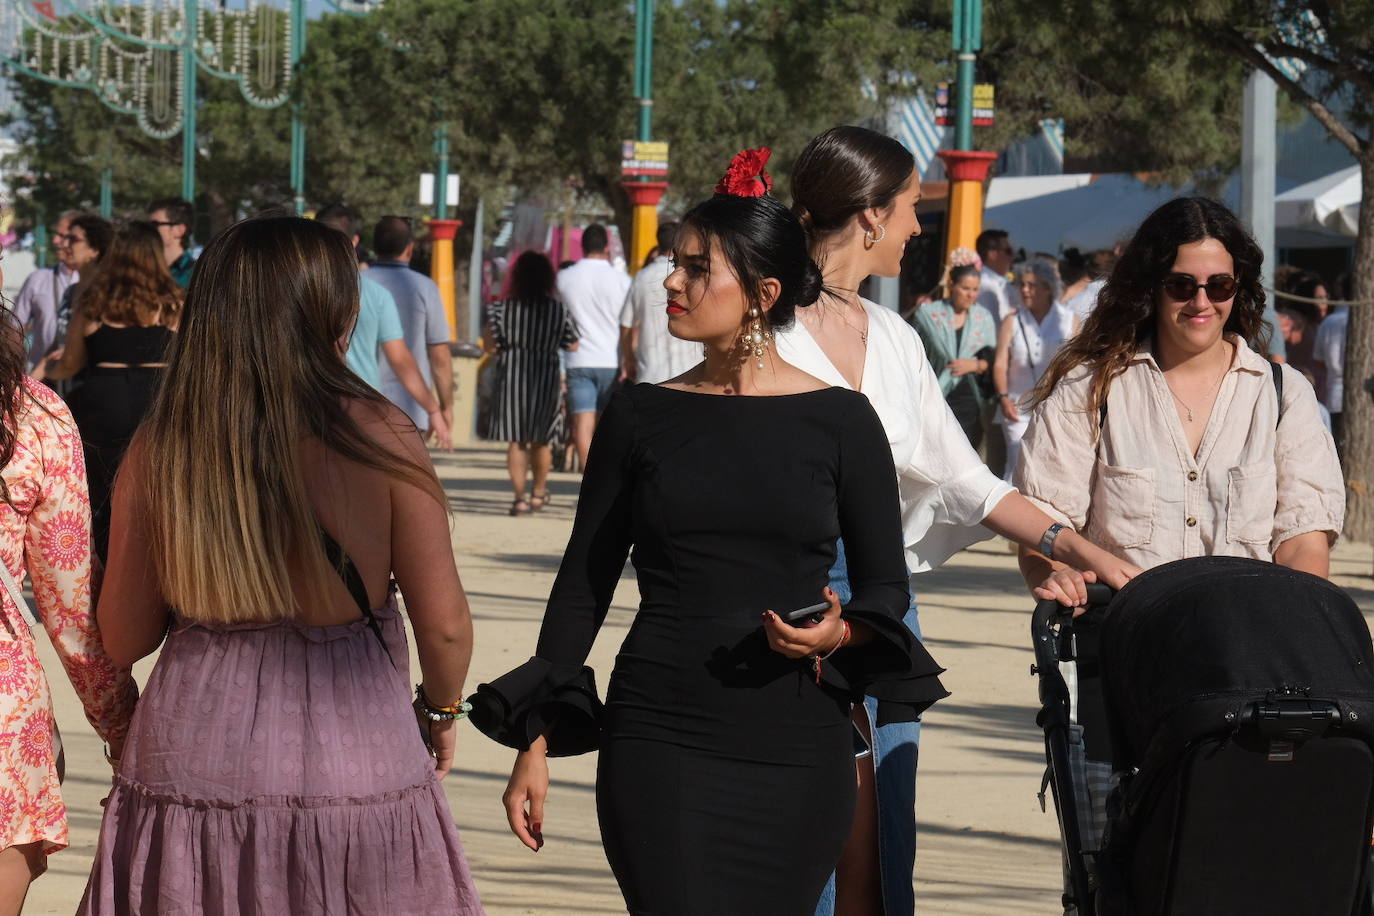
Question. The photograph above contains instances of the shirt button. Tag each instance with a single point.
(1192, 475)
(1192, 522)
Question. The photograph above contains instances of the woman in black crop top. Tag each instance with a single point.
(122, 324)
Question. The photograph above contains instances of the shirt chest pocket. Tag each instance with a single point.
(1252, 497)
(1123, 504)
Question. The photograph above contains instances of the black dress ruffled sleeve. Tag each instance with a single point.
(554, 693)
(893, 666)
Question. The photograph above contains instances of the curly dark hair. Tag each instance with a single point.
(1125, 313)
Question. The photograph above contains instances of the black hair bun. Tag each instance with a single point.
(809, 289)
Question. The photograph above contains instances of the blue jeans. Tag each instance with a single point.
(894, 765)
(589, 389)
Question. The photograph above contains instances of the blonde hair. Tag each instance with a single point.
(254, 369)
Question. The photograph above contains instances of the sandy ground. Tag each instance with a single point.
(985, 846)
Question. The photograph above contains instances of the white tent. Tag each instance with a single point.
(1329, 206)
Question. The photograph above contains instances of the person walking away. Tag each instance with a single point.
(526, 332)
(648, 353)
(1026, 342)
(423, 322)
(122, 324)
(35, 307)
(594, 292)
(960, 338)
(175, 220)
(856, 192)
(378, 332)
(262, 570)
(44, 532)
(996, 293)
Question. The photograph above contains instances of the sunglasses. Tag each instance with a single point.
(68, 237)
(1182, 287)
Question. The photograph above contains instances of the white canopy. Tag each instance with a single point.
(1329, 205)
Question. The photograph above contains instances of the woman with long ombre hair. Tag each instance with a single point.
(855, 191)
(274, 764)
(122, 322)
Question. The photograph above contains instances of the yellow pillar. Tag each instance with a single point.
(644, 197)
(967, 170)
(443, 231)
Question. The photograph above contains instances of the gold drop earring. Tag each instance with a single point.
(758, 336)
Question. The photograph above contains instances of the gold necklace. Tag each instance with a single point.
(863, 332)
(1213, 391)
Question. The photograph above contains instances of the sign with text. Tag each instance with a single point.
(984, 95)
(644, 157)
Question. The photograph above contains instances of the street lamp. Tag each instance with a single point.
(644, 194)
(967, 168)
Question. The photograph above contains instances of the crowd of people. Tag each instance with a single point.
(222, 459)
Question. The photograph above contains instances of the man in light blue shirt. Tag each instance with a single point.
(423, 321)
(378, 330)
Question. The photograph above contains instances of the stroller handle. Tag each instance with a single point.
(1048, 611)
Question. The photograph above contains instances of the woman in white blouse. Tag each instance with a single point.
(1161, 434)
(855, 191)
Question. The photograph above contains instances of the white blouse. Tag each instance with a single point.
(946, 491)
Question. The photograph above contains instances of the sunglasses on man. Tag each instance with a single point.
(1183, 288)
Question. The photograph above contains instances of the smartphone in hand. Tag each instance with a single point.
(814, 613)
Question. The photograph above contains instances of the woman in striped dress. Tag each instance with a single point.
(526, 332)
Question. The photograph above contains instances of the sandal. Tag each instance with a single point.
(540, 500)
(520, 506)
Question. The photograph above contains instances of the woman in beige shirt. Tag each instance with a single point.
(1157, 430)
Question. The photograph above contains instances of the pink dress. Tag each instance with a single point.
(46, 527)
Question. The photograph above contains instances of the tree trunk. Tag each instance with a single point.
(1358, 410)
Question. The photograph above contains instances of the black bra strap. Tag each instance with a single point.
(334, 551)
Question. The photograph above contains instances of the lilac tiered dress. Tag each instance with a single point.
(278, 769)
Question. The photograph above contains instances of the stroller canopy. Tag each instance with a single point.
(1215, 633)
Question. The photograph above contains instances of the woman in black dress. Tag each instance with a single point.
(726, 775)
(526, 332)
(122, 322)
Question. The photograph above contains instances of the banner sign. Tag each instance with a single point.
(644, 157)
(983, 104)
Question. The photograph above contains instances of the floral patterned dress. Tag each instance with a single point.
(46, 529)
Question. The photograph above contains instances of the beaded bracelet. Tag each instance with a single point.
(434, 713)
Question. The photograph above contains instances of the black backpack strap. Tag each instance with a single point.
(334, 551)
(1278, 387)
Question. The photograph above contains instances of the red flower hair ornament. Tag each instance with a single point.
(746, 176)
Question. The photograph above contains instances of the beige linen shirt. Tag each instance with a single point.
(1255, 482)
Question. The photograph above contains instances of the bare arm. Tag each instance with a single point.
(408, 373)
(73, 358)
(1000, 364)
(441, 365)
(132, 613)
(1309, 552)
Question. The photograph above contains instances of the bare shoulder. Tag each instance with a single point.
(388, 426)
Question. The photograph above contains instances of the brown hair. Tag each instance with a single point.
(844, 171)
(1125, 313)
(15, 399)
(255, 367)
(131, 284)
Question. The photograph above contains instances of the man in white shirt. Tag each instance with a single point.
(1330, 350)
(648, 353)
(594, 292)
(997, 295)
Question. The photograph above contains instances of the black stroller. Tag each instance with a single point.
(1237, 700)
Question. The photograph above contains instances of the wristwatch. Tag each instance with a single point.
(1047, 539)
